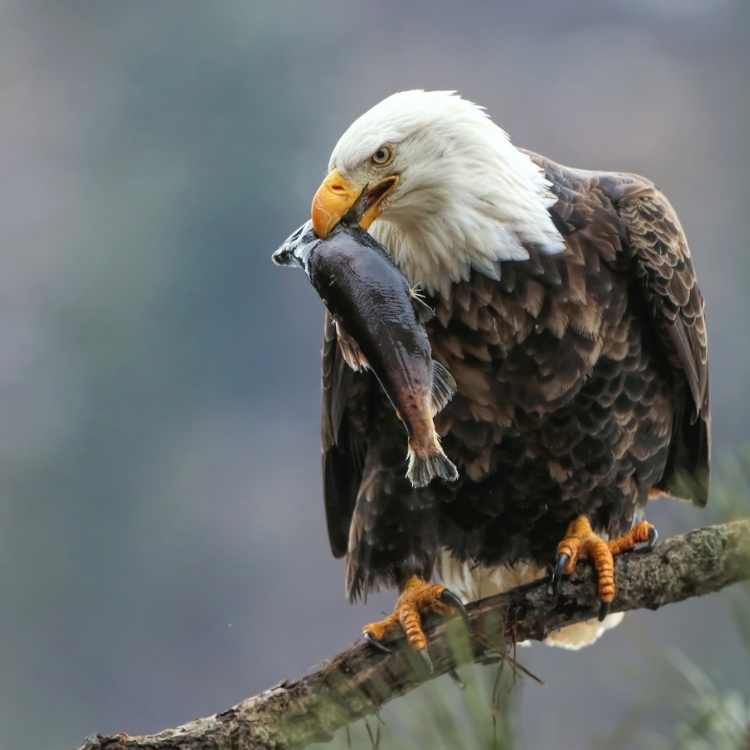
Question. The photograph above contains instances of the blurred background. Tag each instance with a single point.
(162, 542)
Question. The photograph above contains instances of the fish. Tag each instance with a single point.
(380, 322)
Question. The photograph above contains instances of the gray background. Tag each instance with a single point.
(162, 543)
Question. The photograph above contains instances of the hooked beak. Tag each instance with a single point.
(337, 196)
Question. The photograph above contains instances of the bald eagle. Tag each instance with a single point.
(568, 312)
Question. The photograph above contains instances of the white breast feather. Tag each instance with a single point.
(472, 582)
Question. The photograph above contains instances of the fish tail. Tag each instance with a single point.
(424, 467)
(443, 387)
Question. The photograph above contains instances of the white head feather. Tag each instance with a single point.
(466, 197)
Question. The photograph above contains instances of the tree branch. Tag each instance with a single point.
(360, 680)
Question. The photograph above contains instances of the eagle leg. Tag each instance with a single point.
(580, 543)
(417, 595)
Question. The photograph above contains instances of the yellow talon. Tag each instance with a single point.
(580, 543)
(416, 596)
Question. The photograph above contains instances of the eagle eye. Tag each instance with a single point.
(382, 156)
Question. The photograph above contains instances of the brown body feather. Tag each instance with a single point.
(582, 384)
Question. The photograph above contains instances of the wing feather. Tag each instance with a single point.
(676, 307)
(344, 413)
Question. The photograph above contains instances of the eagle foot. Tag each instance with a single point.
(580, 543)
(416, 596)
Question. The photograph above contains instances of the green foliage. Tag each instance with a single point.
(709, 718)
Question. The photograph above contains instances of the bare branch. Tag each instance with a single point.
(360, 680)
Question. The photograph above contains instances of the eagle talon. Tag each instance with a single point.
(653, 538)
(424, 657)
(376, 643)
(581, 542)
(557, 574)
(448, 597)
(603, 610)
(417, 596)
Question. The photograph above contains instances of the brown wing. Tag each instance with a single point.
(344, 415)
(675, 304)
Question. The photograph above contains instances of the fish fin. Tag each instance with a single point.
(422, 310)
(415, 292)
(423, 469)
(350, 350)
(443, 387)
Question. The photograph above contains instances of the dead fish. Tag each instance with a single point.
(380, 322)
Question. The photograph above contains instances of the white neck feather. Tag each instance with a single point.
(467, 206)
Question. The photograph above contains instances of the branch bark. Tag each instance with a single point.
(360, 680)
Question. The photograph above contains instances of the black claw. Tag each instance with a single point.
(557, 573)
(448, 597)
(603, 610)
(456, 679)
(377, 644)
(425, 657)
(653, 538)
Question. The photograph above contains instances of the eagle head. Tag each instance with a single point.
(440, 186)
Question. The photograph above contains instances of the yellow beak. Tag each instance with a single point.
(337, 195)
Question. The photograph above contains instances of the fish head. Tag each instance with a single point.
(296, 248)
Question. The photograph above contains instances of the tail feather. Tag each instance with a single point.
(423, 469)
